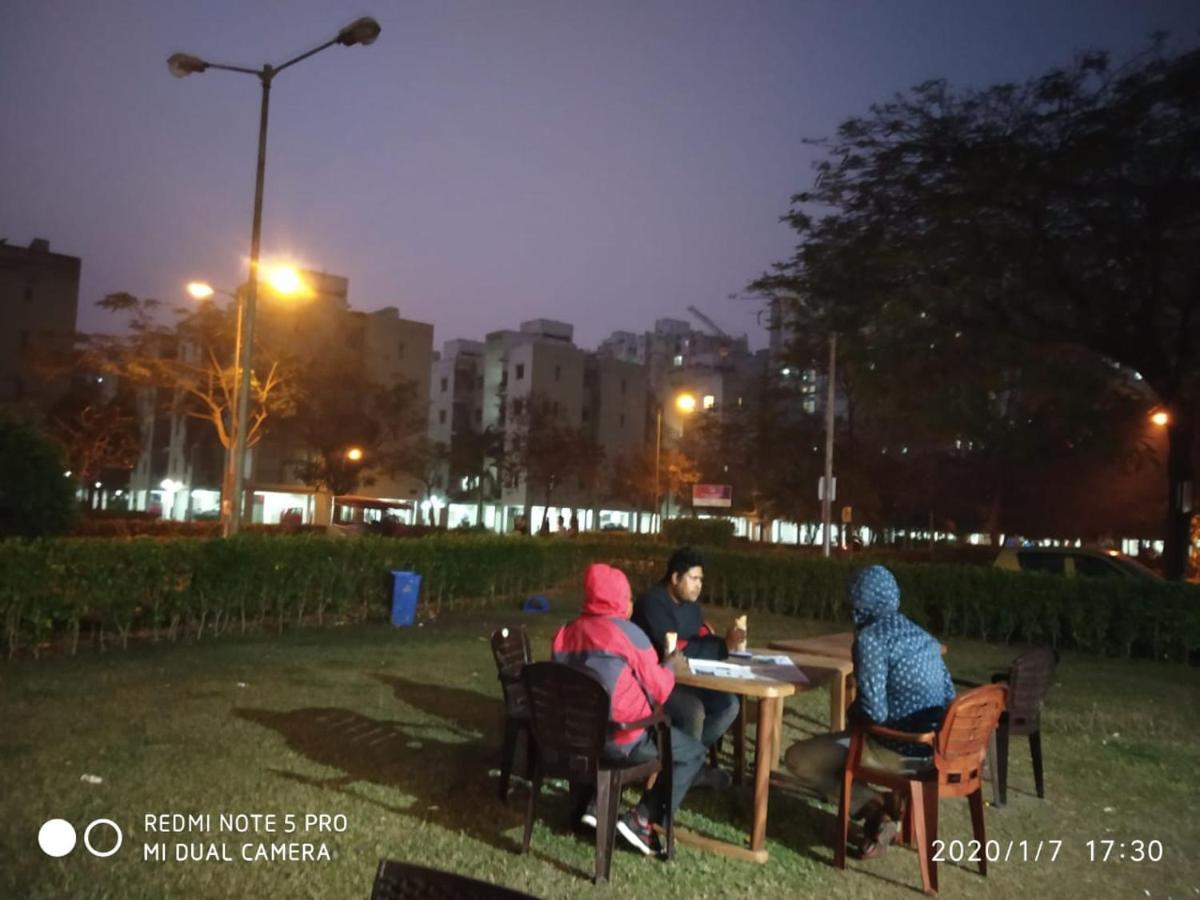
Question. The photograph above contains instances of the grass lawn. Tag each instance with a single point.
(397, 731)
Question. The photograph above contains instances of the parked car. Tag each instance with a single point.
(1071, 561)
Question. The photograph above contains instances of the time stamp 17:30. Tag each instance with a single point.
(1104, 850)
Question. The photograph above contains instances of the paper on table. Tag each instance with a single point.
(719, 669)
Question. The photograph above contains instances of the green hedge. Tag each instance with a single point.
(698, 532)
(105, 591)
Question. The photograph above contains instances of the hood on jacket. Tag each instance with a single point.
(873, 593)
(606, 591)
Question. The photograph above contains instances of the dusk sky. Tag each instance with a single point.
(602, 163)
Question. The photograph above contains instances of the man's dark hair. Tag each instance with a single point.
(681, 560)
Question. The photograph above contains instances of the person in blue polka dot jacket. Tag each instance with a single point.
(902, 683)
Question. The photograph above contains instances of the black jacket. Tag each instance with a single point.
(656, 614)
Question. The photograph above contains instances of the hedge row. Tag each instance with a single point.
(107, 590)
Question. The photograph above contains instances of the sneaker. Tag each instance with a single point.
(879, 832)
(638, 832)
(589, 814)
(713, 778)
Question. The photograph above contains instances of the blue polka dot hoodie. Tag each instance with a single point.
(902, 681)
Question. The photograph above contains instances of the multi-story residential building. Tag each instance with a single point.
(39, 301)
(456, 390)
(539, 363)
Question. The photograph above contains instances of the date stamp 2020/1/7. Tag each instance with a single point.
(996, 851)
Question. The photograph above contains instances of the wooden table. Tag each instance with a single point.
(769, 693)
(828, 657)
(827, 653)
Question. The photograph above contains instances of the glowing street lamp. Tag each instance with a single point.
(686, 403)
(200, 290)
(362, 31)
(1161, 418)
(354, 454)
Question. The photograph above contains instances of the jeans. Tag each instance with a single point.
(703, 714)
(818, 763)
(687, 756)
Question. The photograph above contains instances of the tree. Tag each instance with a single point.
(678, 471)
(99, 435)
(478, 457)
(1060, 213)
(37, 499)
(545, 450)
(339, 409)
(190, 363)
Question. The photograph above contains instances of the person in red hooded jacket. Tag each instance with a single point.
(603, 643)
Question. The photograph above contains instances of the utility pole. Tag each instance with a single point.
(827, 493)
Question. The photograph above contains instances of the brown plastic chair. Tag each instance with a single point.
(956, 771)
(510, 649)
(1028, 678)
(402, 881)
(569, 713)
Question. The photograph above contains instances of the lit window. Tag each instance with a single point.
(709, 401)
(678, 360)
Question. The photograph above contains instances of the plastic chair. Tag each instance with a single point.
(510, 649)
(956, 770)
(401, 881)
(1028, 678)
(569, 713)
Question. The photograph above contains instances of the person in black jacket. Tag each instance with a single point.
(670, 606)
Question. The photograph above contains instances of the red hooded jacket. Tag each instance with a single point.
(614, 651)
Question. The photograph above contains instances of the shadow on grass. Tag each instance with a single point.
(446, 778)
(810, 828)
(469, 712)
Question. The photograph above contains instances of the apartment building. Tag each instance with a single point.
(39, 302)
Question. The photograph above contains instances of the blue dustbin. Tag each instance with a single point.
(406, 587)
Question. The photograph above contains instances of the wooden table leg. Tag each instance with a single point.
(837, 702)
(777, 755)
(739, 743)
(764, 747)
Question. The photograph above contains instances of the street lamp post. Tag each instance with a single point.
(685, 403)
(361, 31)
(827, 493)
(284, 281)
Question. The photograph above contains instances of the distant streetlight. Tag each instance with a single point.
(286, 281)
(1161, 418)
(362, 31)
(354, 454)
(685, 403)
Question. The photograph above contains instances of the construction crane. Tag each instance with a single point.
(713, 326)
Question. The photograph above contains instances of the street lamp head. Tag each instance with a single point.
(686, 403)
(182, 65)
(1160, 418)
(361, 31)
(283, 280)
(200, 290)
(354, 454)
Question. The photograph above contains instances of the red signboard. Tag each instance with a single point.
(712, 495)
